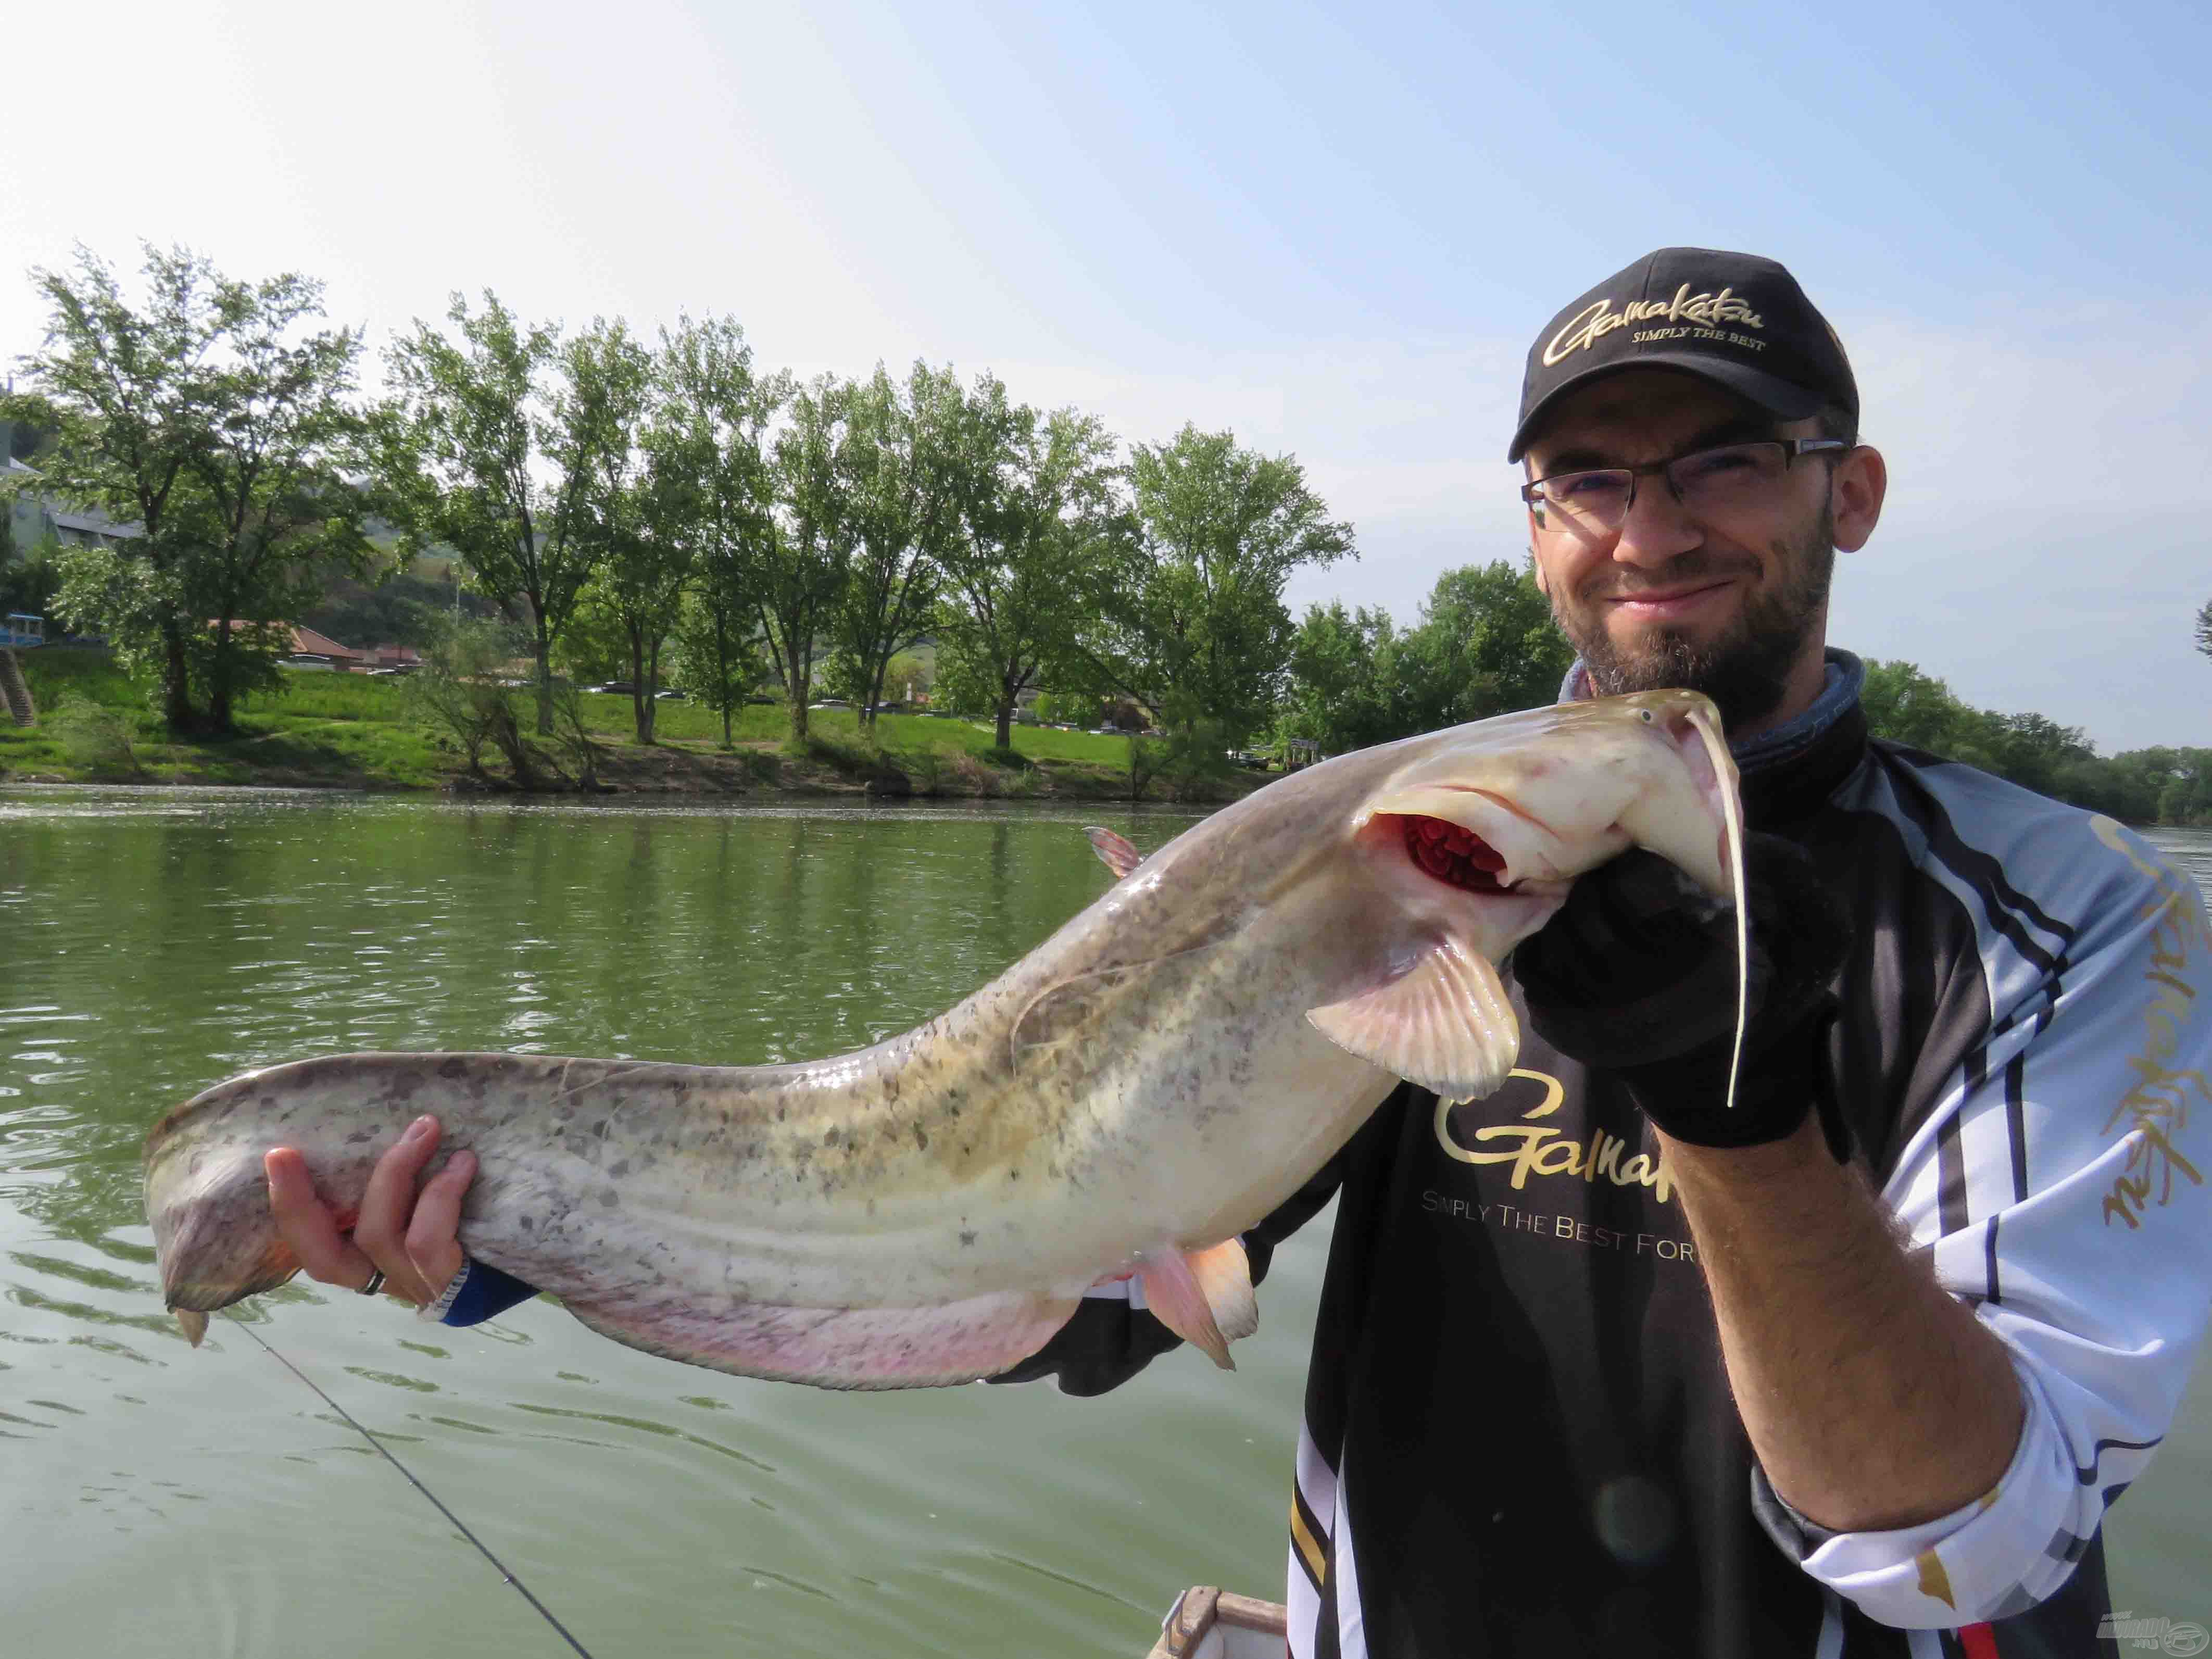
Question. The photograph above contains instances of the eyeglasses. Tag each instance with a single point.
(1707, 481)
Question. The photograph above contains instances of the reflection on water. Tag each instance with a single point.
(160, 1499)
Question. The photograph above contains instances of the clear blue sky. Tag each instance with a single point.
(1333, 230)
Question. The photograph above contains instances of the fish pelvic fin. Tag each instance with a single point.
(1204, 1296)
(1113, 851)
(193, 1323)
(1446, 1025)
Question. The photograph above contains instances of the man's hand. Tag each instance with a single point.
(1637, 975)
(411, 1238)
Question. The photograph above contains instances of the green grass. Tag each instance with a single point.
(348, 729)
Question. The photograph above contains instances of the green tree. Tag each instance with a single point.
(897, 477)
(479, 451)
(1485, 645)
(2204, 628)
(1194, 619)
(1342, 679)
(212, 421)
(798, 573)
(1033, 513)
(711, 436)
(633, 528)
(718, 654)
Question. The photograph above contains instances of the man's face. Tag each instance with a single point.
(1732, 604)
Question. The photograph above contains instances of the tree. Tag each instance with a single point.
(1032, 511)
(712, 431)
(476, 453)
(798, 574)
(1342, 670)
(213, 424)
(1195, 623)
(632, 527)
(1485, 645)
(2204, 628)
(718, 655)
(897, 477)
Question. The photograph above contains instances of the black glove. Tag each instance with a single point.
(1636, 975)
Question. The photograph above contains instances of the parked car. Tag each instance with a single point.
(758, 700)
(622, 687)
(671, 694)
(308, 662)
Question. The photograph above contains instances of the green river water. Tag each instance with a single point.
(157, 1500)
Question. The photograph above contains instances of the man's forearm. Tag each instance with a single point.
(1873, 1398)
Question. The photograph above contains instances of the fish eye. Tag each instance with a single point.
(1644, 714)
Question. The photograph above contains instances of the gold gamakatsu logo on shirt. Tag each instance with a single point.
(1540, 1150)
(1594, 322)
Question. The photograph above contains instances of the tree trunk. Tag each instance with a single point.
(640, 693)
(219, 679)
(544, 673)
(176, 685)
(723, 693)
(651, 686)
(1006, 722)
(795, 687)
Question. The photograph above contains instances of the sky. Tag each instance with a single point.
(1333, 230)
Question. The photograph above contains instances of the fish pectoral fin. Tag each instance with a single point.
(1446, 1025)
(1113, 851)
(1204, 1296)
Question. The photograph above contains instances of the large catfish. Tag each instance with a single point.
(1126, 1099)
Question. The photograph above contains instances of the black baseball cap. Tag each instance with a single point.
(1733, 319)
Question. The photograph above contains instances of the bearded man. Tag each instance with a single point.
(1602, 1365)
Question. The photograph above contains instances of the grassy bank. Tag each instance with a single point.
(347, 731)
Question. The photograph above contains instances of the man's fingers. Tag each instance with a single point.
(389, 1199)
(307, 1225)
(434, 1244)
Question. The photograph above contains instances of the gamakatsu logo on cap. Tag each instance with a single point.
(1593, 323)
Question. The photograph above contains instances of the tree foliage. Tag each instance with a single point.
(480, 450)
(1192, 620)
(1032, 514)
(216, 428)
(799, 571)
(898, 465)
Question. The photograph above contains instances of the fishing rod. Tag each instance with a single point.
(504, 1572)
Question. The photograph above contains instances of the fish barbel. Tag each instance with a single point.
(1128, 1097)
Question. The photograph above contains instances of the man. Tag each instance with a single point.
(1854, 1367)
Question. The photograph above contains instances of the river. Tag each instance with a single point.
(161, 1500)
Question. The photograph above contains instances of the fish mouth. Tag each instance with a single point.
(1446, 852)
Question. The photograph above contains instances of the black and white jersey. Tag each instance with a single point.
(1519, 1436)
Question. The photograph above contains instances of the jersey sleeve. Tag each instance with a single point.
(2058, 1188)
(479, 1291)
(1112, 1335)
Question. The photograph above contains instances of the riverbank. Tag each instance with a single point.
(350, 732)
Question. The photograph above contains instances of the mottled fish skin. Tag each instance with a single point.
(928, 1210)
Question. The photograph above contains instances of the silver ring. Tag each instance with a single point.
(375, 1282)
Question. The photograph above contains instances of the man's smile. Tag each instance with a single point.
(1673, 603)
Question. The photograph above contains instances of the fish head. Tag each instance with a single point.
(1454, 847)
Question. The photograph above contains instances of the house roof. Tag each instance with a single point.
(307, 640)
